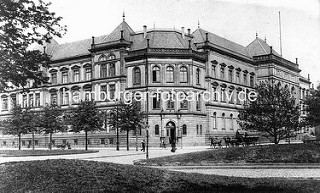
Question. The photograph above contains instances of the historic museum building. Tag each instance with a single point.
(151, 60)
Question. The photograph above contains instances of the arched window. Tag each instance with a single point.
(103, 71)
(136, 76)
(223, 121)
(214, 120)
(111, 57)
(183, 74)
(112, 71)
(169, 74)
(293, 91)
(156, 74)
(156, 130)
(102, 58)
(184, 129)
(198, 76)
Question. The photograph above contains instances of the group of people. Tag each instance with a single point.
(172, 142)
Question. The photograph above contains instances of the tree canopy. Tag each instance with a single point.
(23, 23)
(274, 113)
(86, 117)
(313, 108)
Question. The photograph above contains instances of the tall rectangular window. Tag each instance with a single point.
(37, 100)
(30, 100)
(156, 102)
(54, 98)
(170, 104)
(230, 75)
(103, 71)
(183, 74)
(245, 82)
(238, 77)
(24, 101)
(54, 78)
(221, 72)
(251, 80)
(155, 74)
(112, 89)
(198, 104)
(169, 74)
(5, 104)
(88, 73)
(213, 71)
(76, 75)
(103, 93)
(64, 77)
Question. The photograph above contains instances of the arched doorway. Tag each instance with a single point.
(171, 130)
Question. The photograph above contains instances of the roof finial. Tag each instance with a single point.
(256, 34)
(265, 39)
(123, 16)
(198, 24)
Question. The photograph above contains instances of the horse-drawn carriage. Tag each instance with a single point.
(243, 139)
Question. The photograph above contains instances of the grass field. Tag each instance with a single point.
(89, 176)
(23, 153)
(285, 153)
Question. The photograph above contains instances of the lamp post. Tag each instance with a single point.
(147, 154)
(179, 127)
(117, 125)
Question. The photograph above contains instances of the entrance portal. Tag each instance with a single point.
(171, 129)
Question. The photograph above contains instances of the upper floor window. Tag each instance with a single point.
(169, 74)
(54, 98)
(223, 121)
(112, 69)
(198, 76)
(112, 91)
(230, 75)
(5, 103)
(245, 82)
(198, 104)
(31, 100)
(155, 74)
(184, 104)
(155, 102)
(238, 77)
(76, 75)
(183, 74)
(252, 80)
(136, 76)
(221, 72)
(170, 104)
(214, 120)
(65, 77)
(54, 78)
(102, 58)
(24, 101)
(88, 74)
(213, 71)
(37, 104)
(103, 71)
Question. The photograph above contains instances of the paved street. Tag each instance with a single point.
(128, 157)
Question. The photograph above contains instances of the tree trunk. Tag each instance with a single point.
(32, 140)
(86, 140)
(275, 136)
(50, 141)
(127, 139)
(19, 141)
(137, 139)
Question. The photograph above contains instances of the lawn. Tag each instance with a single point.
(89, 176)
(285, 153)
(23, 153)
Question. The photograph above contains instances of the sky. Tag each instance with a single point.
(235, 20)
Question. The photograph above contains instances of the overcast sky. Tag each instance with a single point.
(236, 20)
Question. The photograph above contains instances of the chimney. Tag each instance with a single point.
(148, 45)
(189, 44)
(207, 37)
(296, 60)
(189, 31)
(270, 49)
(144, 31)
(92, 40)
(182, 33)
(308, 77)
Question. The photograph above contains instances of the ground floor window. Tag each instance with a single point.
(102, 141)
(75, 141)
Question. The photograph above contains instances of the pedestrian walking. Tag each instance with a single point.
(173, 145)
(143, 146)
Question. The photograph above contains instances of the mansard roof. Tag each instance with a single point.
(160, 38)
(200, 37)
(259, 47)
